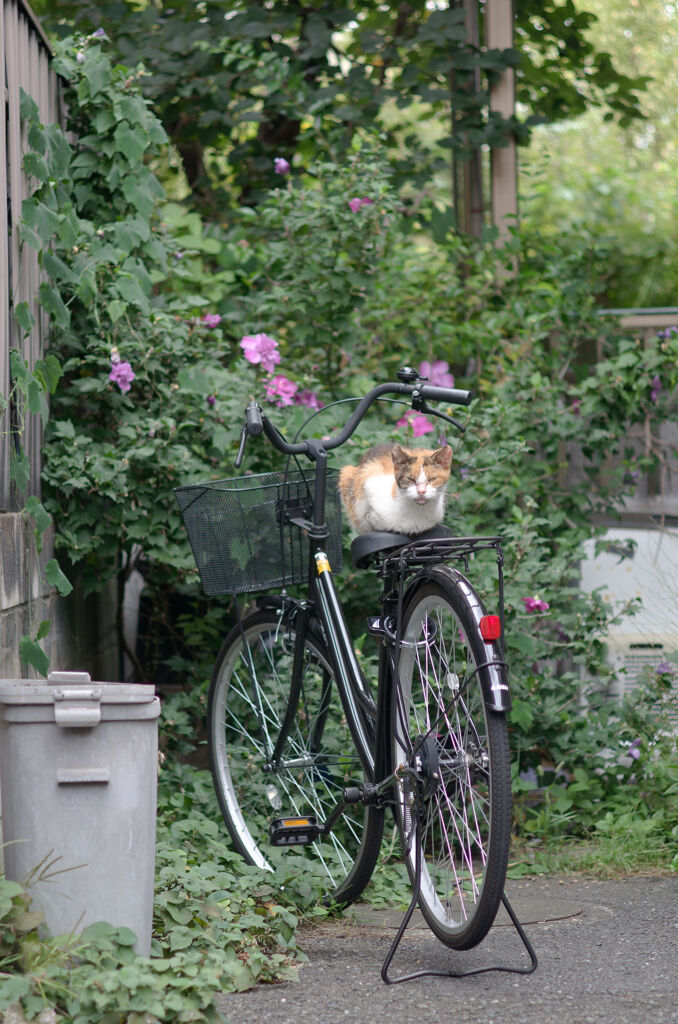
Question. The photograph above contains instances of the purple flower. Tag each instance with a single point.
(210, 320)
(80, 57)
(437, 373)
(667, 332)
(99, 34)
(356, 203)
(121, 374)
(633, 751)
(281, 165)
(535, 604)
(665, 668)
(281, 388)
(259, 348)
(656, 386)
(309, 399)
(419, 423)
(211, 400)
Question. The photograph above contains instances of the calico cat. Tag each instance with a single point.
(396, 489)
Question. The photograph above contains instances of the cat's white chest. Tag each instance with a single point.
(384, 507)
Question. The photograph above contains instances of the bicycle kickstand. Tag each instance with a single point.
(451, 974)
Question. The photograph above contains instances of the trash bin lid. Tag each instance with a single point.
(30, 691)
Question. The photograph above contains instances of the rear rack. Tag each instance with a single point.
(440, 549)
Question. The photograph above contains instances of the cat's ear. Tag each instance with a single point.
(442, 457)
(400, 457)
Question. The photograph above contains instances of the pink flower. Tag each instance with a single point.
(281, 388)
(259, 348)
(210, 319)
(356, 203)
(308, 398)
(281, 165)
(420, 425)
(535, 604)
(121, 374)
(437, 373)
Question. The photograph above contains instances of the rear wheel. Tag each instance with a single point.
(248, 703)
(443, 731)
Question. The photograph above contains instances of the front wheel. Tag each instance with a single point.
(453, 797)
(248, 706)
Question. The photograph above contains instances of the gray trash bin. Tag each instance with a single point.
(78, 786)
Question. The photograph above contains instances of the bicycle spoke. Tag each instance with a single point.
(440, 720)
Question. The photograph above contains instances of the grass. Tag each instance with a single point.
(611, 856)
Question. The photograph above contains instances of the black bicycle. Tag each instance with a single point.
(303, 752)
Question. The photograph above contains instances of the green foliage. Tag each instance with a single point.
(237, 84)
(616, 183)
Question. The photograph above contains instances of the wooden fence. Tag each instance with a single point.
(25, 56)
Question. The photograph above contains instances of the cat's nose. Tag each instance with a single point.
(421, 488)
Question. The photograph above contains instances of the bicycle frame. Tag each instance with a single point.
(369, 721)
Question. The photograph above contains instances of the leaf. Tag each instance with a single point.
(56, 578)
(97, 71)
(43, 519)
(521, 713)
(43, 629)
(131, 142)
(130, 290)
(41, 218)
(51, 301)
(37, 403)
(115, 309)
(31, 653)
(19, 469)
(35, 166)
(28, 108)
(57, 269)
(24, 317)
(49, 371)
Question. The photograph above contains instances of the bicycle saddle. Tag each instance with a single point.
(364, 547)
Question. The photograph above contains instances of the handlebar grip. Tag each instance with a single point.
(253, 420)
(455, 396)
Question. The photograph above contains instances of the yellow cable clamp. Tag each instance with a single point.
(322, 563)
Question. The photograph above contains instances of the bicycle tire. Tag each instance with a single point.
(466, 814)
(319, 744)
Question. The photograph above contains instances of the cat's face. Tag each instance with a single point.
(421, 475)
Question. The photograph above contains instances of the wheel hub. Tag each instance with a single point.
(426, 765)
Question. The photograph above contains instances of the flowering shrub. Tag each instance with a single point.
(535, 604)
(417, 423)
(260, 349)
(164, 329)
(281, 390)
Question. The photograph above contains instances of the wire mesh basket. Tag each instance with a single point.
(240, 533)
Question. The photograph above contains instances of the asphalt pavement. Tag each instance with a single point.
(607, 954)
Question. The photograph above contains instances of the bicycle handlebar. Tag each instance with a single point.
(418, 391)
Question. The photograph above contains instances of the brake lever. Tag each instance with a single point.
(241, 449)
(421, 405)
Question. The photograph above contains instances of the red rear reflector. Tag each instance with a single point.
(490, 628)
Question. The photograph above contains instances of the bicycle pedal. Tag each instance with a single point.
(293, 831)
